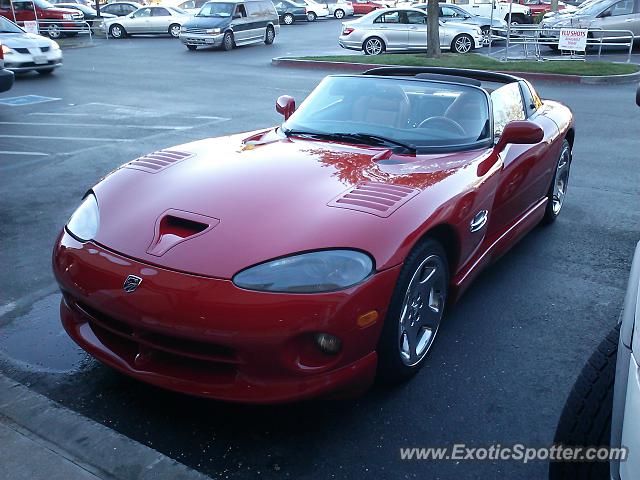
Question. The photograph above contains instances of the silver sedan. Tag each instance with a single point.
(404, 29)
(147, 20)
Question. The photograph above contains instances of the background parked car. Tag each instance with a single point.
(453, 13)
(189, 6)
(314, 10)
(362, 7)
(90, 15)
(520, 14)
(393, 29)
(340, 8)
(6, 76)
(88, 3)
(148, 20)
(543, 6)
(52, 20)
(24, 51)
(290, 12)
(120, 9)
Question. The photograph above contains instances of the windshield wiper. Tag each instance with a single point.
(361, 137)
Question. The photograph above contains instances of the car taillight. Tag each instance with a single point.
(347, 30)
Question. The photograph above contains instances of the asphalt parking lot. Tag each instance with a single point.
(506, 355)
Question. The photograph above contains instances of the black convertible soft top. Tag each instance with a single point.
(458, 75)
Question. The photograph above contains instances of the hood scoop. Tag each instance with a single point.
(379, 199)
(176, 226)
(158, 161)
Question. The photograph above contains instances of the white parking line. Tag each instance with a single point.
(38, 154)
(148, 127)
(80, 139)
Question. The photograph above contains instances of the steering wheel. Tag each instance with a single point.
(443, 121)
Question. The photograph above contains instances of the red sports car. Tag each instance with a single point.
(298, 261)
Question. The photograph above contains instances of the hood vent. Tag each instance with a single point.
(379, 199)
(158, 161)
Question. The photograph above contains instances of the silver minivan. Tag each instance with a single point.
(226, 24)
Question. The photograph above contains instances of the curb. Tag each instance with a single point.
(84, 442)
(551, 77)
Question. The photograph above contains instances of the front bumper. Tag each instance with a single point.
(198, 39)
(207, 337)
(34, 60)
(6, 80)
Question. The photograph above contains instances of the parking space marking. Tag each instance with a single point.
(49, 124)
(34, 154)
(80, 139)
(26, 100)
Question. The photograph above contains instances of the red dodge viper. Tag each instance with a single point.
(302, 260)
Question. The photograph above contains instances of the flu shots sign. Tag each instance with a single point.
(574, 39)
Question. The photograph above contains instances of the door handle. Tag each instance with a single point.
(479, 221)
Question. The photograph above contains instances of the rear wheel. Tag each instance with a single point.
(558, 189)
(311, 17)
(193, 48)
(339, 13)
(174, 30)
(486, 34)
(288, 19)
(117, 31)
(227, 42)
(373, 46)
(270, 35)
(415, 312)
(462, 44)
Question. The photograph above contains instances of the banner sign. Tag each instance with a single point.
(31, 26)
(573, 39)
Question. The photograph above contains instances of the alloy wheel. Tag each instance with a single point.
(561, 180)
(175, 31)
(338, 14)
(54, 31)
(373, 46)
(462, 44)
(288, 19)
(422, 310)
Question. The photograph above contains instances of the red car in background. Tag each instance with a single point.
(299, 261)
(362, 7)
(53, 21)
(540, 6)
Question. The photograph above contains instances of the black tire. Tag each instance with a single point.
(462, 43)
(551, 212)
(228, 42)
(174, 30)
(391, 367)
(288, 19)
(373, 46)
(270, 35)
(586, 417)
(311, 17)
(45, 71)
(339, 13)
(193, 48)
(117, 31)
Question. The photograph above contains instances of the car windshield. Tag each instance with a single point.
(43, 4)
(423, 114)
(8, 27)
(216, 9)
(592, 8)
(179, 11)
(83, 8)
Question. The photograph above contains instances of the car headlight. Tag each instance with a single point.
(6, 50)
(54, 45)
(212, 31)
(314, 272)
(83, 224)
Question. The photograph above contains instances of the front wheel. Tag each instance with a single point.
(373, 46)
(288, 19)
(269, 36)
(54, 31)
(462, 44)
(311, 17)
(227, 42)
(486, 35)
(338, 14)
(415, 312)
(117, 31)
(174, 30)
(558, 189)
(586, 417)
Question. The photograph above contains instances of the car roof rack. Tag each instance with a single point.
(446, 74)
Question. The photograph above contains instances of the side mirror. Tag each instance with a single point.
(605, 14)
(285, 106)
(520, 132)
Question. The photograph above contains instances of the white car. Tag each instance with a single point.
(340, 8)
(314, 9)
(147, 20)
(24, 51)
(404, 29)
(520, 14)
